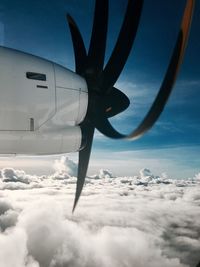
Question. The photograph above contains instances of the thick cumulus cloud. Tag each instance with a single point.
(144, 220)
(65, 168)
(103, 174)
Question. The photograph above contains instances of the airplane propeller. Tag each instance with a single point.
(104, 100)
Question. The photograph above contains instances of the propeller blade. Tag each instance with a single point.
(78, 45)
(123, 45)
(115, 102)
(84, 156)
(97, 47)
(104, 99)
(185, 26)
(104, 126)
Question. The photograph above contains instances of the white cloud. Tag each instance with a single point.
(197, 176)
(13, 249)
(141, 220)
(158, 160)
(11, 175)
(103, 174)
(65, 166)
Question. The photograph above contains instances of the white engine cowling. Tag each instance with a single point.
(41, 105)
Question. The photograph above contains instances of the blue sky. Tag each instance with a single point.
(173, 144)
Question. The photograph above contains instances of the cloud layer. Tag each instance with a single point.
(144, 220)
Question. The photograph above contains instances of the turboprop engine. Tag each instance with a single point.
(41, 105)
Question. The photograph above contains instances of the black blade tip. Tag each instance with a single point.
(69, 18)
(75, 202)
(74, 207)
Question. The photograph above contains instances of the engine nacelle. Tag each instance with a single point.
(41, 105)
